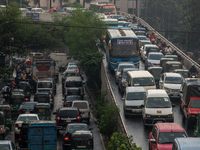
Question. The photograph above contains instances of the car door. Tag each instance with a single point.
(155, 136)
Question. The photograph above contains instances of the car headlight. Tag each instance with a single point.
(170, 116)
(113, 61)
(148, 116)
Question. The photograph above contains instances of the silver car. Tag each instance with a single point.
(153, 59)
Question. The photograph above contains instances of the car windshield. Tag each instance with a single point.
(155, 57)
(116, 16)
(125, 66)
(168, 137)
(142, 37)
(28, 106)
(60, 10)
(39, 10)
(44, 85)
(74, 84)
(73, 128)
(67, 74)
(135, 96)
(143, 82)
(44, 91)
(5, 147)
(27, 118)
(158, 102)
(72, 67)
(80, 105)
(71, 99)
(194, 103)
(174, 80)
(68, 113)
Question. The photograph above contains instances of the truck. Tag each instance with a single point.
(190, 100)
(61, 62)
(43, 68)
(42, 135)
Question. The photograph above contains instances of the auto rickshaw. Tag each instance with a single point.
(27, 89)
(82, 140)
(44, 111)
(163, 62)
(7, 114)
(2, 126)
(15, 102)
(42, 97)
(172, 65)
(197, 130)
(156, 72)
(175, 57)
(184, 72)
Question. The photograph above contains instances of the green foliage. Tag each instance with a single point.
(119, 141)
(4, 73)
(75, 5)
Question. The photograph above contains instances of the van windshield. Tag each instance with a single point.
(68, 113)
(80, 105)
(194, 103)
(135, 96)
(174, 80)
(168, 137)
(158, 102)
(74, 84)
(143, 82)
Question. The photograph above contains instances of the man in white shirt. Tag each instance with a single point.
(168, 50)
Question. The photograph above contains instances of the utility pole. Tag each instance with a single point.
(169, 20)
(187, 30)
(146, 10)
(156, 17)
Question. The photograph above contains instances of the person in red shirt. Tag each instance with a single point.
(152, 36)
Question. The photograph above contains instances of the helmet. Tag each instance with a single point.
(192, 64)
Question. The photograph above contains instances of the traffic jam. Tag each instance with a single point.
(150, 87)
(30, 106)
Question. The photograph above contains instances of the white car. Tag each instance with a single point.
(37, 10)
(24, 117)
(144, 50)
(171, 83)
(120, 67)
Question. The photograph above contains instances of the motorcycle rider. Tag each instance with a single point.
(168, 50)
(152, 38)
(193, 70)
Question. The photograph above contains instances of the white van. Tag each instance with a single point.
(140, 78)
(157, 108)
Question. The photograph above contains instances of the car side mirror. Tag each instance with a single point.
(153, 140)
(173, 105)
(54, 113)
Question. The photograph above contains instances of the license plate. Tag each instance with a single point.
(68, 120)
(27, 112)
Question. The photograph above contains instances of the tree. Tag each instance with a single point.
(119, 141)
(75, 5)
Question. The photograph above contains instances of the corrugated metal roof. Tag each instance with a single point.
(141, 74)
(116, 33)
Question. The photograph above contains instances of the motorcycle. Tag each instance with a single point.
(193, 75)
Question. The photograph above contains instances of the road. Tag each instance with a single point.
(134, 124)
(57, 104)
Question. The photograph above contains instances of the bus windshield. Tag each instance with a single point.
(109, 10)
(124, 48)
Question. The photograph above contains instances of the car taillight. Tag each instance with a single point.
(19, 111)
(66, 103)
(1, 129)
(11, 108)
(20, 136)
(66, 138)
(16, 125)
(47, 118)
(79, 118)
(58, 118)
(26, 99)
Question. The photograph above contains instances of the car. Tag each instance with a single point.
(189, 143)
(119, 69)
(7, 145)
(133, 100)
(157, 108)
(142, 37)
(49, 83)
(143, 51)
(122, 79)
(72, 67)
(72, 64)
(66, 115)
(153, 59)
(47, 90)
(120, 23)
(71, 128)
(27, 107)
(114, 16)
(57, 10)
(84, 109)
(24, 117)
(69, 99)
(171, 83)
(144, 42)
(24, 10)
(163, 134)
(37, 10)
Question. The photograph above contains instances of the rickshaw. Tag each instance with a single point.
(17, 91)
(172, 65)
(2, 126)
(82, 140)
(175, 57)
(163, 62)
(156, 72)
(15, 102)
(42, 97)
(27, 89)
(7, 114)
(197, 130)
(44, 111)
(184, 72)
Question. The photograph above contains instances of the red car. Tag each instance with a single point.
(163, 134)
